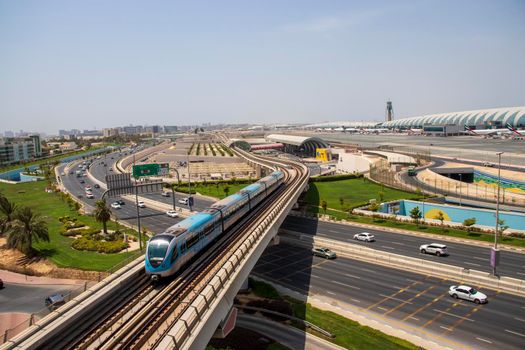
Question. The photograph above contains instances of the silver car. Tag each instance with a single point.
(434, 248)
(467, 293)
(324, 253)
(365, 237)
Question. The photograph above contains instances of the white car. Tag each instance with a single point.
(364, 236)
(183, 201)
(172, 214)
(467, 293)
(165, 194)
(115, 205)
(141, 204)
(434, 248)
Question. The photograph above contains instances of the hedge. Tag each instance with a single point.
(335, 177)
(99, 246)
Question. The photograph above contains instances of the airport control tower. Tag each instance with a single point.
(389, 111)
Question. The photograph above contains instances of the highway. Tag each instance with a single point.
(420, 302)
(464, 255)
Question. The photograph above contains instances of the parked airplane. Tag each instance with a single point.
(509, 129)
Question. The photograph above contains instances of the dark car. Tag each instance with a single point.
(96, 185)
(121, 202)
(82, 181)
(54, 301)
(1, 284)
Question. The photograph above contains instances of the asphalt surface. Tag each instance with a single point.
(463, 255)
(28, 298)
(421, 302)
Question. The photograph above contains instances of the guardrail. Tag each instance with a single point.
(484, 279)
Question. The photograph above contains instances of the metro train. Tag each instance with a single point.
(167, 252)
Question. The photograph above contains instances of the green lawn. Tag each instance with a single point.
(354, 192)
(348, 334)
(212, 190)
(59, 249)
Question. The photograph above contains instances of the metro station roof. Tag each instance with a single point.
(296, 140)
(514, 116)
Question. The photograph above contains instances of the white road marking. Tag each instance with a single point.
(332, 231)
(352, 276)
(382, 308)
(330, 292)
(414, 318)
(520, 273)
(521, 335)
(449, 314)
(346, 285)
(355, 300)
(469, 263)
(485, 340)
(398, 243)
(411, 280)
(448, 329)
(519, 319)
(387, 247)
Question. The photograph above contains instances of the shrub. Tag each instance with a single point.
(100, 246)
(335, 177)
(263, 290)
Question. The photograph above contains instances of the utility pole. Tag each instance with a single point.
(494, 253)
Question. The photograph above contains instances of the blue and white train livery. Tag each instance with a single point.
(167, 252)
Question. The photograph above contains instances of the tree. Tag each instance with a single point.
(415, 214)
(341, 201)
(381, 196)
(324, 205)
(440, 216)
(27, 227)
(469, 222)
(8, 209)
(373, 206)
(226, 190)
(102, 214)
(501, 226)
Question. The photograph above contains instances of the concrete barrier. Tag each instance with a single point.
(422, 266)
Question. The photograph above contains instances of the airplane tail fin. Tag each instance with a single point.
(513, 129)
(469, 130)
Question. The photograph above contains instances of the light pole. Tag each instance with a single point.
(494, 253)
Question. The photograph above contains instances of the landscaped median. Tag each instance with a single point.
(422, 266)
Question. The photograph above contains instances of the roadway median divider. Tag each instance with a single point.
(455, 273)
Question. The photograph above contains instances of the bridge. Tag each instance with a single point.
(125, 311)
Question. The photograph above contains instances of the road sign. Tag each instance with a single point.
(164, 169)
(116, 181)
(146, 170)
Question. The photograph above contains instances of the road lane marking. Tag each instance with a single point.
(472, 264)
(478, 258)
(331, 293)
(448, 329)
(466, 317)
(414, 318)
(392, 298)
(387, 247)
(398, 243)
(409, 301)
(520, 273)
(352, 276)
(516, 333)
(401, 290)
(449, 314)
(345, 285)
(355, 300)
(519, 319)
(382, 308)
(485, 340)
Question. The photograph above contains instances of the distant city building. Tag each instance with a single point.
(110, 132)
(14, 150)
(9, 134)
(132, 130)
(170, 129)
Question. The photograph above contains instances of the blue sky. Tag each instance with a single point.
(85, 64)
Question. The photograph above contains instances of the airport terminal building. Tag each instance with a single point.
(479, 119)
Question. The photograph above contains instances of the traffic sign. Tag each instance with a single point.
(164, 169)
(145, 170)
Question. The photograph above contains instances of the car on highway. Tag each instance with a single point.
(115, 205)
(54, 301)
(434, 248)
(467, 293)
(96, 185)
(172, 214)
(120, 202)
(364, 236)
(82, 181)
(488, 164)
(183, 201)
(165, 194)
(89, 195)
(141, 204)
(88, 188)
(324, 253)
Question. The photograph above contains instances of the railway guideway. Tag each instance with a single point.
(212, 299)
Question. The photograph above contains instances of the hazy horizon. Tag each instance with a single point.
(101, 64)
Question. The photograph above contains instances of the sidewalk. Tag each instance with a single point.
(17, 278)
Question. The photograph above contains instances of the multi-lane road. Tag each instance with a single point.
(419, 302)
(469, 256)
(416, 303)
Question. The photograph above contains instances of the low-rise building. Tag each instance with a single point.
(13, 150)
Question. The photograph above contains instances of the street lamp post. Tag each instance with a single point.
(494, 254)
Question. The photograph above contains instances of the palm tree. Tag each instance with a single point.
(27, 227)
(8, 209)
(102, 214)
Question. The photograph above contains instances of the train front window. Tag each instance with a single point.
(157, 250)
